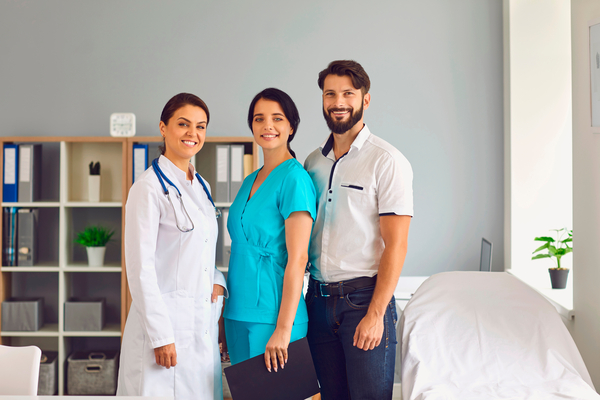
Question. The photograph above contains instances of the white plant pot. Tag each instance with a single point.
(95, 256)
(94, 188)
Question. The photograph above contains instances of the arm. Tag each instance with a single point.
(142, 218)
(297, 236)
(394, 231)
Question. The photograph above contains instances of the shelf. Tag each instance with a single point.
(110, 330)
(89, 204)
(85, 268)
(48, 330)
(36, 204)
(37, 268)
(223, 204)
(222, 268)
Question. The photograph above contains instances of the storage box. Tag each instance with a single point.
(22, 314)
(92, 373)
(48, 381)
(84, 314)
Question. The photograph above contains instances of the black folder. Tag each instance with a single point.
(250, 379)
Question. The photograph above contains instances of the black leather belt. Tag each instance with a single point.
(342, 288)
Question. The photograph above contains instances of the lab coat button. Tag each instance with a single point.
(205, 240)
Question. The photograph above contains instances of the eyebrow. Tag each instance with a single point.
(261, 114)
(188, 121)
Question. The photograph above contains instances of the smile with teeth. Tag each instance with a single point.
(339, 113)
(189, 142)
(269, 135)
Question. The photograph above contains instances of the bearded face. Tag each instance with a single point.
(341, 120)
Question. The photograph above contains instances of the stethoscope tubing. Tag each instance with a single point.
(162, 178)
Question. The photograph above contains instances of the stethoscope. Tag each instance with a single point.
(161, 175)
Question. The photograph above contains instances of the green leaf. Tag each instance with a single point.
(541, 256)
(544, 239)
(567, 240)
(94, 236)
(568, 250)
(542, 247)
(552, 250)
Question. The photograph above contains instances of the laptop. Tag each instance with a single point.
(485, 262)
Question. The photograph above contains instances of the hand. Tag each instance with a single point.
(276, 350)
(368, 332)
(166, 356)
(218, 290)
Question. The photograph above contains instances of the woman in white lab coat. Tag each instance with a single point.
(170, 343)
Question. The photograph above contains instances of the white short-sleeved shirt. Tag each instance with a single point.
(372, 179)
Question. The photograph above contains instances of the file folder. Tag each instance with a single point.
(140, 159)
(30, 171)
(236, 175)
(222, 173)
(10, 169)
(27, 237)
(9, 232)
(250, 379)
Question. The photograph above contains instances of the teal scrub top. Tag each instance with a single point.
(258, 251)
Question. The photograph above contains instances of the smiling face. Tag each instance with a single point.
(343, 104)
(270, 126)
(184, 134)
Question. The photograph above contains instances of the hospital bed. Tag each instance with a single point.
(487, 335)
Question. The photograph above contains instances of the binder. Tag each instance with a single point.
(10, 167)
(9, 231)
(226, 239)
(30, 171)
(27, 237)
(236, 173)
(250, 379)
(222, 171)
(140, 159)
(248, 167)
(5, 236)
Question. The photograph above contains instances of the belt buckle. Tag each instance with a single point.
(321, 290)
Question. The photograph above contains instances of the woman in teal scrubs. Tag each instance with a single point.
(270, 223)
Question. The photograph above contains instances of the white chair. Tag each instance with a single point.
(19, 370)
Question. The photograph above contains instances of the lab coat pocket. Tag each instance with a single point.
(181, 311)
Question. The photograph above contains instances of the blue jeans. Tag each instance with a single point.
(344, 371)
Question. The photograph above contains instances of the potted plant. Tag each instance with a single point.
(556, 248)
(94, 239)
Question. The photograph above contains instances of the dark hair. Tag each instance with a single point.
(360, 79)
(287, 105)
(175, 103)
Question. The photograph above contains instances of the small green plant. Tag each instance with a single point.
(94, 236)
(556, 247)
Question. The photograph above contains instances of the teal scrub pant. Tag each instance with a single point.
(249, 339)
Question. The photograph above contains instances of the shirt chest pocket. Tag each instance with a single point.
(358, 194)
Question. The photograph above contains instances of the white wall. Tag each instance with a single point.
(586, 195)
(435, 66)
(538, 127)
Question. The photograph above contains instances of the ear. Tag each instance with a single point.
(366, 101)
(163, 128)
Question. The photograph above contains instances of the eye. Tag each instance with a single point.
(183, 124)
(278, 119)
(328, 94)
(200, 127)
(258, 119)
(349, 93)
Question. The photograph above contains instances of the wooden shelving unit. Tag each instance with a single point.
(62, 271)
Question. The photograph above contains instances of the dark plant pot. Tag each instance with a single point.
(558, 278)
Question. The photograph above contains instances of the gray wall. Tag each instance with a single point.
(435, 66)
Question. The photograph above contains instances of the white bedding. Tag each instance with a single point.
(486, 335)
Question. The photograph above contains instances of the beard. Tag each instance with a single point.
(342, 126)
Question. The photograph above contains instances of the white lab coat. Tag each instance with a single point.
(171, 276)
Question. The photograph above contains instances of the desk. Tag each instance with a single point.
(83, 398)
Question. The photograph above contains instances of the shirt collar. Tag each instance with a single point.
(361, 138)
(181, 176)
